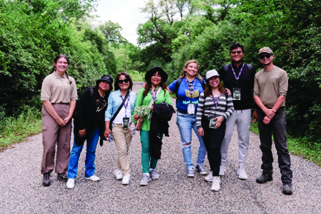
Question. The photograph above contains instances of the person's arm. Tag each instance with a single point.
(172, 87)
(71, 111)
(107, 130)
(199, 114)
(108, 115)
(167, 98)
(260, 104)
(139, 102)
(50, 109)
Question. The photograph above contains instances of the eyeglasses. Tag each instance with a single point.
(234, 52)
(262, 56)
(122, 81)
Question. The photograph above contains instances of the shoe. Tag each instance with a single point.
(153, 174)
(216, 183)
(287, 189)
(46, 179)
(71, 183)
(241, 173)
(62, 177)
(209, 177)
(118, 174)
(222, 169)
(126, 179)
(201, 169)
(145, 179)
(93, 178)
(264, 178)
(190, 173)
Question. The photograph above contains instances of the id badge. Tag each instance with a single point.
(150, 116)
(212, 122)
(236, 93)
(191, 108)
(125, 122)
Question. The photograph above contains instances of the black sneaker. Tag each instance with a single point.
(46, 179)
(62, 177)
(264, 178)
(287, 189)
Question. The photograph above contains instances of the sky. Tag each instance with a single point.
(124, 12)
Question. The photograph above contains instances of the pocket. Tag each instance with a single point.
(44, 128)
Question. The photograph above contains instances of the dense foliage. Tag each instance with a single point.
(179, 30)
(32, 33)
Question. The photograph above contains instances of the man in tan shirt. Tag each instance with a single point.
(270, 88)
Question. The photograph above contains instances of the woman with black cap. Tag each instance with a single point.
(154, 92)
(89, 124)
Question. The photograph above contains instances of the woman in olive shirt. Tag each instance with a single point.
(58, 94)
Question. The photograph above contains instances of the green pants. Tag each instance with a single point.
(147, 161)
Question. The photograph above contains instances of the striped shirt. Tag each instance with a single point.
(207, 108)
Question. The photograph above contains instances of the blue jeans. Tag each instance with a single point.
(92, 141)
(185, 123)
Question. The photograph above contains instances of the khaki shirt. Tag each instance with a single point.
(58, 89)
(269, 85)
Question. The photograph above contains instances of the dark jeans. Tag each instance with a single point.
(277, 127)
(213, 139)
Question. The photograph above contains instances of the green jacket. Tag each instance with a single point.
(144, 101)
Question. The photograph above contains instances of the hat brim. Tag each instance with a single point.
(161, 72)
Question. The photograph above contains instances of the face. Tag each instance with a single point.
(123, 82)
(191, 69)
(156, 79)
(214, 82)
(237, 54)
(104, 86)
(61, 65)
(267, 58)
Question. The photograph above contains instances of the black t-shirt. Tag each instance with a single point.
(245, 83)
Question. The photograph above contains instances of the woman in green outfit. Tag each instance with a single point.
(154, 92)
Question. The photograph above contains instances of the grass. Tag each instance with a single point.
(14, 130)
(308, 150)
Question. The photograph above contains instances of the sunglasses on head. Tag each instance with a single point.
(122, 81)
(262, 56)
(234, 52)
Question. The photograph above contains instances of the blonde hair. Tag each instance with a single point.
(183, 73)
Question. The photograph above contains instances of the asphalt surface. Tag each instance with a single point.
(21, 190)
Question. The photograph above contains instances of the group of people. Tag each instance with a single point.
(203, 105)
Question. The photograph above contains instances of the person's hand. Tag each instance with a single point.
(228, 91)
(107, 132)
(66, 120)
(270, 113)
(82, 133)
(266, 120)
(200, 131)
(60, 122)
(152, 108)
(254, 116)
(218, 121)
(136, 117)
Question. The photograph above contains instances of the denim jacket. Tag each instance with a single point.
(114, 101)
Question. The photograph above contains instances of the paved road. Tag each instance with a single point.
(21, 190)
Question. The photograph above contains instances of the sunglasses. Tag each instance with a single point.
(234, 52)
(262, 56)
(122, 81)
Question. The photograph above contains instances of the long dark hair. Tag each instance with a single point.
(127, 77)
(56, 60)
(208, 88)
(148, 85)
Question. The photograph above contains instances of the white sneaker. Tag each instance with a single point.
(93, 178)
(222, 169)
(216, 183)
(71, 183)
(145, 179)
(153, 174)
(126, 179)
(209, 177)
(118, 174)
(241, 172)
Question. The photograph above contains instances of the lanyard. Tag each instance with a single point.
(125, 103)
(154, 95)
(237, 77)
(215, 101)
(191, 89)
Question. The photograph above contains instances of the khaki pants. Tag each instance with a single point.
(122, 138)
(53, 134)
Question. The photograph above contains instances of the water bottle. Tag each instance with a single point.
(110, 138)
(132, 130)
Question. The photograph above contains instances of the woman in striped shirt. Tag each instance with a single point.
(214, 107)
